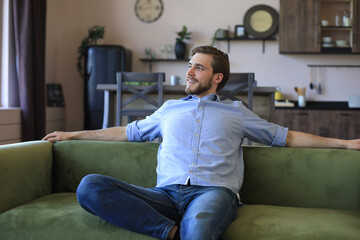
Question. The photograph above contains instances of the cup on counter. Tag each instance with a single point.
(301, 101)
(175, 80)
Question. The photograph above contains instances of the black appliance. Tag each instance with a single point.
(102, 63)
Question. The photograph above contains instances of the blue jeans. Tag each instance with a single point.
(201, 212)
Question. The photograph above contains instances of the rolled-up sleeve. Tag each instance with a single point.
(132, 132)
(280, 136)
(147, 129)
(262, 131)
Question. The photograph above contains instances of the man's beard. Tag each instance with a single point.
(201, 88)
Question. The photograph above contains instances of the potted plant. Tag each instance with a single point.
(180, 47)
(95, 34)
(220, 34)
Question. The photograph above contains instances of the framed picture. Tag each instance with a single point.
(239, 31)
(55, 96)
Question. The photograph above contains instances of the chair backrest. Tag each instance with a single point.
(138, 84)
(237, 83)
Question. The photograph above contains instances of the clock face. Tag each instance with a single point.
(149, 10)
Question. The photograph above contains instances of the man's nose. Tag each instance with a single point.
(190, 72)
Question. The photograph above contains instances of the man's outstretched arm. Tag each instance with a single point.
(108, 134)
(300, 139)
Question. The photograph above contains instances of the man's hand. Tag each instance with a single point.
(58, 136)
(353, 144)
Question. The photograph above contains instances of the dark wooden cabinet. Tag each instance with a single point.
(356, 26)
(299, 26)
(342, 124)
(300, 29)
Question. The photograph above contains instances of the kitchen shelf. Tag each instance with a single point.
(334, 66)
(335, 28)
(151, 60)
(246, 39)
(296, 38)
(336, 1)
(336, 50)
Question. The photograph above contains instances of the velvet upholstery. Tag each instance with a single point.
(268, 222)
(75, 159)
(318, 178)
(59, 216)
(288, 193)
(25, 173)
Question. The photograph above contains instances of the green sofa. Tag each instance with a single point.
(288, 193)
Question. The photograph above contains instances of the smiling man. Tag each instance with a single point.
(200, 160)
(201, 80)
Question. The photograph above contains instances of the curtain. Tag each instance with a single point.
(29, 32)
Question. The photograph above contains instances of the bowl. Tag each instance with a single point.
(324, 23)
(340, 43)
(327, 39)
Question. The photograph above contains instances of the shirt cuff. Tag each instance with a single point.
(132, 132)
(280, 137)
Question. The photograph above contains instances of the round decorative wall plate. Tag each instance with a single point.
(149, 10)
(261, 21)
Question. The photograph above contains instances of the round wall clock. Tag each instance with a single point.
(149, 10)
(261, 21)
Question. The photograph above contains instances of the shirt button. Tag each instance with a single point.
(196, 135)
(198, 120)
(190, 171)
(200, 107)
(194, 149)
(192, 163)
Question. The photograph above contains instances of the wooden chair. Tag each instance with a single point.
(237, 83)
(125, 85)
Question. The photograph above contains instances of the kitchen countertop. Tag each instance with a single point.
(321, 105)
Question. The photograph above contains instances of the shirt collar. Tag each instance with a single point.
(210, 97)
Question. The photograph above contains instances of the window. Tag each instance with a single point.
(8, 82)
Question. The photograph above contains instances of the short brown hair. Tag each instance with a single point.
(220, 62)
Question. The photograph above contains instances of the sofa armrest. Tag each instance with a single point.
(25, 172)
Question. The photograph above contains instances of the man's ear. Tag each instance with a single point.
(218, 78)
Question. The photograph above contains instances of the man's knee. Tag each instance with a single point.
(86, 187)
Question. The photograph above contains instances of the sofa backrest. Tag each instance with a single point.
(300, 177)
(134, 163)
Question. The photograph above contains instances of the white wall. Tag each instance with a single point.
(68, 21)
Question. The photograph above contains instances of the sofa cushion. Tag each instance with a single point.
(267, 222)
(58, 216)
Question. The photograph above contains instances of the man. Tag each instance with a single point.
(200, 165)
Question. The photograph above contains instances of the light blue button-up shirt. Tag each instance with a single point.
(202, 140)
